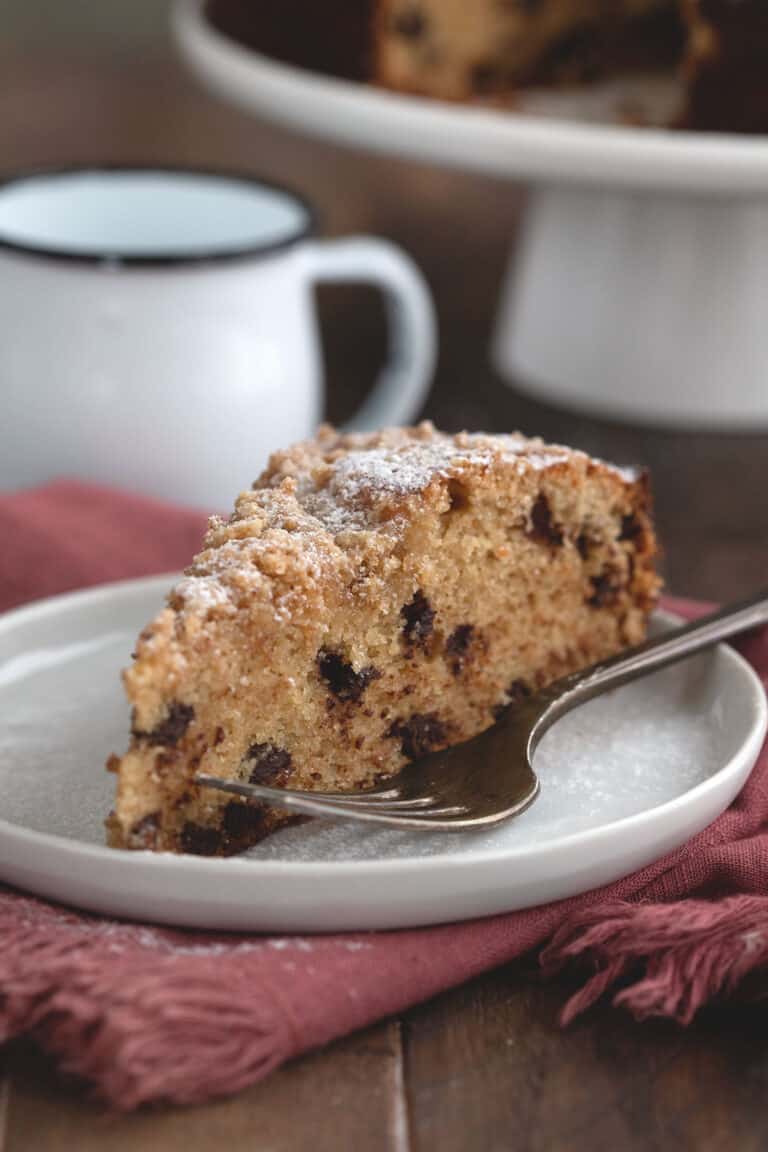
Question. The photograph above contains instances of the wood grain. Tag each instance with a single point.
(346, 1097)
(5, 1086)
(489, 1069)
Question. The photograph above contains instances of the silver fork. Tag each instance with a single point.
(490, 778)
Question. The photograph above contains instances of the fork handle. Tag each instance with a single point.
(658, 652)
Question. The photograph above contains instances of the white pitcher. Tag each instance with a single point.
(157, 328)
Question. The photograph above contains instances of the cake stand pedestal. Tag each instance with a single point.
(640, 288)
(648, 306)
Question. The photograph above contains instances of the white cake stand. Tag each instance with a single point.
(640, 286)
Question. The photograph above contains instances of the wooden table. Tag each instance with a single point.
(486, 1067)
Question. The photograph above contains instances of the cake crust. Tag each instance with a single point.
(371, 599)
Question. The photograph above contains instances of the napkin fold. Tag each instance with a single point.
(147, 1014)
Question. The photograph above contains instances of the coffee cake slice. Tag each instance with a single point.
(371, 599)
(490, 50)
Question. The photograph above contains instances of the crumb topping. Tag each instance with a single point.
(336, 494)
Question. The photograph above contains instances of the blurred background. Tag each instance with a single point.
(91, 82)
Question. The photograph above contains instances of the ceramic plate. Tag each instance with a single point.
(559, 139)
(623, 780)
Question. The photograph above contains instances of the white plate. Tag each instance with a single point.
(624, 780)
(499, 142)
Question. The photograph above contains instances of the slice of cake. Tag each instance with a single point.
(489, 49)
(444, 48)
(492, 50)
(373, 598)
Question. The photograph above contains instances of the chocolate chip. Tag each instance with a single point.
(458, 495)
(457, 647)
(486, 77)
(269, 765)
(631, 527)
(170, 730)
(543, 528)
(218, 737)
(410, 23)
(574, 56)
(418, 616)
(419, 734)
(604, 590)
(460, 639)
(518, 690)
(241, 820)
(168, 759)
(583, 545)
(144, 831)
(341, 677)
(201, 840)
(631, 567)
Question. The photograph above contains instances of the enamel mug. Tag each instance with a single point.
(158, 333)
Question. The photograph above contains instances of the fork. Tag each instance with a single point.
(490, 778)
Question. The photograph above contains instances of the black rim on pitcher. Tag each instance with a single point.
(166, 259)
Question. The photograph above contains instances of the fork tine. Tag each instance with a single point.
(373, 794)
(417, 816)
(376, 801)
(358, 799)
(420, 806)
(447, 810)
(447, 818)
(409, 818)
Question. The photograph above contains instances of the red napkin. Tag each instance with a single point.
(149, 1014)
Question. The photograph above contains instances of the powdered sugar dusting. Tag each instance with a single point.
(368, 476)
(287, 532)
(401, 471)
(413, 466)
(200, 592)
